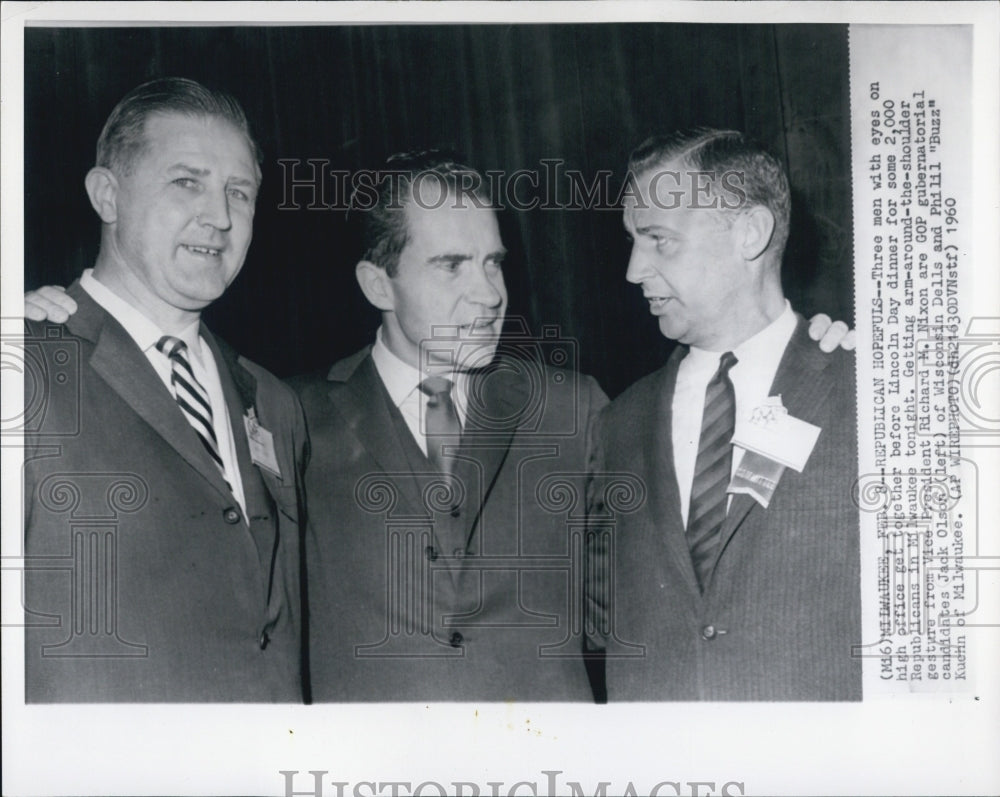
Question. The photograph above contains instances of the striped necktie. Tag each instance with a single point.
(712, 470)
(191, 397)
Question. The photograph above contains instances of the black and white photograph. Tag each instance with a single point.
(501, 401)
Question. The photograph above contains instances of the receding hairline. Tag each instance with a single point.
(208, 116)
(123, 133)
(683, 152)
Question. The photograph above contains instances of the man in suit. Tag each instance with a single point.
(162, 471)
(442, 563)
(444, 548)
(739, 577)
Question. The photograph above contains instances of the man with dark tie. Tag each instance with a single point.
(162, 474)
(437, 567)
(446, 484)
(448, 475)
(739, 577)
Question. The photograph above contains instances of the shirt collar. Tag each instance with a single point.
(767, 347)
(141, 329)
(399, 377)
(758, 352)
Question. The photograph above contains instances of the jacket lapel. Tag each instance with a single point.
(239, 387)
(804, 385)
(127, 371)
(489, 427)
(664, 494)
(361, 400)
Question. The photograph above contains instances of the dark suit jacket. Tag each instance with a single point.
(416, 594)
(143, 581)
(782, 609)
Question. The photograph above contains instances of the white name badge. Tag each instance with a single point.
(771, 432)
(261, 444)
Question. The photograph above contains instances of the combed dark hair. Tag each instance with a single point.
(384, 228)
(123, 138)
(718, 152)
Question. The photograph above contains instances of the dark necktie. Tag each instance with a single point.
(441, 424)
(191, 397)
(712, 470)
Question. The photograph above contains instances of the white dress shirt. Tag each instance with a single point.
(145, 333)
(757, 363)
(402, 381)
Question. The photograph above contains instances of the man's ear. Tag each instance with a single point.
(756, 227)
(375, 285)
(102, 188)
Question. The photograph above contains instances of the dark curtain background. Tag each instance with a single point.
(508, 97)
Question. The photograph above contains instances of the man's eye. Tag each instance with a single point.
(186, 182)
(240, 194)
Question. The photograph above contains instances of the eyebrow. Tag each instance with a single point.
(451, 257)
(197, 172)
(648, 228)
(460, 257)
(183, 167)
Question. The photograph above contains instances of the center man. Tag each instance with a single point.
(439, 567)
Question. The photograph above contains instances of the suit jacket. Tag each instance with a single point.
(144, 581)
(418, 593)
(782, 608)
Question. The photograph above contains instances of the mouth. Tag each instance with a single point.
(480, 326)
(657, 303)
(204, 251)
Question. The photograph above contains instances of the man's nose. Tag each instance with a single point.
(214, 209)
(486, 287)
(638, 266)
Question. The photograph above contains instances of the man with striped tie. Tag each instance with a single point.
(739, 577)
(162, 471)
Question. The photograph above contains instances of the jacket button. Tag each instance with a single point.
(456, 511)
(231, 515)
(456, 639)
(459, 553)
(708, 632)
(264, 639)
(430, 553)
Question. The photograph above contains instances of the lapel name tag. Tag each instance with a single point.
(772, 441)
(261, 444)
(773, 433)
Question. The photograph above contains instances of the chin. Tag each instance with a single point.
(205, 288)
(475, 355)
(670, 330)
